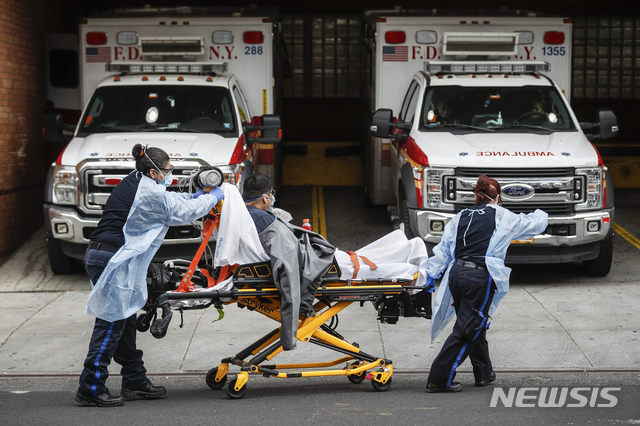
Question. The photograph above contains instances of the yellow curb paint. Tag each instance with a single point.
(635, 241)
(317, 211)
(314, 209)
(321, 215)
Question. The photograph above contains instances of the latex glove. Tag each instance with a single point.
(430, 286)
(217, 192)
(199, 193)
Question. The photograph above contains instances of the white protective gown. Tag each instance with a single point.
(509, 226)
(122, 288)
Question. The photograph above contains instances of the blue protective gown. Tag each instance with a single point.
(509, 226)
(122, 289)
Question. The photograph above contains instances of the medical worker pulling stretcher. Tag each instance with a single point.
(472, 251)
(135, 220)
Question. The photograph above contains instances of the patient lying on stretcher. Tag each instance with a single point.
(299, 258)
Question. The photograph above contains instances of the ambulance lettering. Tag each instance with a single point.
(514, 154)
(130, 54)
(220, 54)
(424, 52)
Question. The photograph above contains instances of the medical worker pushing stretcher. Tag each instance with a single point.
(472, 252)
(135, 220)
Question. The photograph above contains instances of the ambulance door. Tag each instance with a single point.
(245, 115)
(407, 115)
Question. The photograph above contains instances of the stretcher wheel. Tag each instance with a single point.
(211, 379)
(232, 392)
(356, 379)
(381, 387)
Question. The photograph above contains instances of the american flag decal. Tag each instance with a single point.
(395, 53)
(98, 54)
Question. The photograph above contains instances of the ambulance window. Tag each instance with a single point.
(63, 68)
(242, 108)
(409, 105)
(160, 108)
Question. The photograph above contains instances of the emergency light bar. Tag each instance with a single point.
(435, 67)
(172, 46)
(166, 67)
(480, 44)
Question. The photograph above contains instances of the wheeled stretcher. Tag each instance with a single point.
(253, 288)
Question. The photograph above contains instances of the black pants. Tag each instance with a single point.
(110, 340)
(472, 291)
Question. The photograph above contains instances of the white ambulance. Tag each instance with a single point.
(203, 84)
(458, 96)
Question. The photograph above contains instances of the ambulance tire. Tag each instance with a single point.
(232, 392)
(60, 263)
(381, 387)
(601, 265)
(406, 221)
(211, 379)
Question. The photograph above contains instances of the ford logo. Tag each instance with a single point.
(517, 192)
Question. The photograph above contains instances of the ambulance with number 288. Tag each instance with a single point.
(203, 84)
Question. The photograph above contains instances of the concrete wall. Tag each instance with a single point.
(21, 113)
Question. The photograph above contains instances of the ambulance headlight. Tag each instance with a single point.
(433, 189)
(65, 187)
(593, 189)
(127, 37)
(231, 173)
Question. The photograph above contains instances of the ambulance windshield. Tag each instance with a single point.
(504, 109)
(160, 109)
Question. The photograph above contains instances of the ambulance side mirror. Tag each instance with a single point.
(53, 127)
(270, 128)
(381, 123)
(605, 127)
(608, 124)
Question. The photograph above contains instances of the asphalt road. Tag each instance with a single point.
(557, 329)
(329, 401)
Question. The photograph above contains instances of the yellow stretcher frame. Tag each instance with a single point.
(256, 291)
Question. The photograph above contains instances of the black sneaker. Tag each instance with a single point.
(487, 381)
(145, 391)
(454, 387)
(105, 399)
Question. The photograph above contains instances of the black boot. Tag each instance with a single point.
(105, 399)
(487, 381)
(454, 387)
(145, 391)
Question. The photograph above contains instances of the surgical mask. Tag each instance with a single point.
(272, 198)
(168, 179)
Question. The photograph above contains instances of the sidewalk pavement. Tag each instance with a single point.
(554, 318)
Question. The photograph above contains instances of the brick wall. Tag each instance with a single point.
(22, 169)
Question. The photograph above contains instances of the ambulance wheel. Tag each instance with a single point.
(211, 379)
(381, 387)
(60, 263)
(232, 392)
(601, 265)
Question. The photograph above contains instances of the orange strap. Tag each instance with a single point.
(372, 265)
(356, 263)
